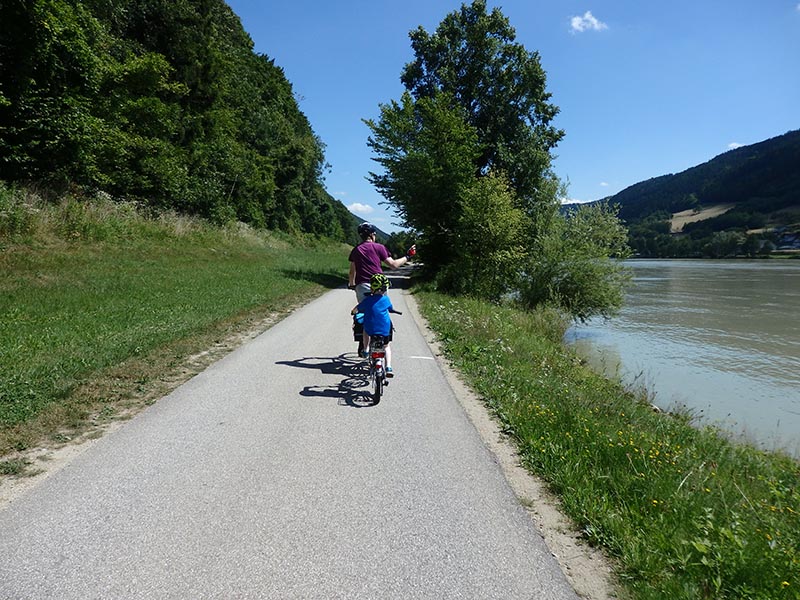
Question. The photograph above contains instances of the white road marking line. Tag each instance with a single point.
(422, 357)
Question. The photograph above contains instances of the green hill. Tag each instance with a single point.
(163, 102)
(743, 202)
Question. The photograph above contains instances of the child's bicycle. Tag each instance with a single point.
(376, 355)
(377, 372)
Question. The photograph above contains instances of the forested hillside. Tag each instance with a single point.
(756, 186)
(161, 101)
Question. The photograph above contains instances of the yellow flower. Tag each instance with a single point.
(784, 583)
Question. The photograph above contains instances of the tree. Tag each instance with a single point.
(473, 56)
(571, 265)
(428, 153)
(51, 73)
(162, 101)
(466, 163)
(488, 242)
(724, 244)
(751, 245)
(475, 103)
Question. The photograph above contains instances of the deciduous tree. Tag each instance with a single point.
(466, 163)
(474, 57)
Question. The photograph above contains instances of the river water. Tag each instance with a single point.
(719, 338)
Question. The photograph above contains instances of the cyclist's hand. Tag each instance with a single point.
(412, 252)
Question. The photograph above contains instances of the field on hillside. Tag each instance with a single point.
(680, 219)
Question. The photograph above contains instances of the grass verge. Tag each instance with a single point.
(103, 307)
(686, 513)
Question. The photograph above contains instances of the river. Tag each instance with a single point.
(718, 338)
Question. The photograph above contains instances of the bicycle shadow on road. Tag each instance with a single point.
(353, 389)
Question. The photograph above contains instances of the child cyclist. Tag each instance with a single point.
(376, 307)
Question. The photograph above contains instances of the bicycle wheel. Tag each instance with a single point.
(378, 386)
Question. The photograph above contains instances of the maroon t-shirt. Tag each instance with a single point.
(368, 257)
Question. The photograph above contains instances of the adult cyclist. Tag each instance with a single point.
(367, 257)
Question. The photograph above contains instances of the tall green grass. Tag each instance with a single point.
(687, 513)
(87, 285)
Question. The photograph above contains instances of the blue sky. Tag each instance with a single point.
(645, 88)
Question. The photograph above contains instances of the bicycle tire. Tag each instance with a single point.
(378, 387)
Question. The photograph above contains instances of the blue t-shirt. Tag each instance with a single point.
(376, 314)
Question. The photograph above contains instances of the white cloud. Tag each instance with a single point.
(587, 22)
(340, 194)
(604, 184)
(361, 209)
(734, 145)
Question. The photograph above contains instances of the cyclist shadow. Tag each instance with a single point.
(352, 390)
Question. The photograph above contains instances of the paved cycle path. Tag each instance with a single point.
(270, 475)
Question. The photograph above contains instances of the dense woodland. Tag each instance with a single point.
(762, 181)
(159, 101)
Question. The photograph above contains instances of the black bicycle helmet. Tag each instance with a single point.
(365, 230)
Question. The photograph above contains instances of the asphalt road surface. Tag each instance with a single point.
(271, 475)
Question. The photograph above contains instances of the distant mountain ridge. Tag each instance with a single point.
(759, 184)
(766, 175)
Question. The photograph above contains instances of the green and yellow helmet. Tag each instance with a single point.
(379, 283)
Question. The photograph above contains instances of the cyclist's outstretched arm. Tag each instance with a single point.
(396, 263)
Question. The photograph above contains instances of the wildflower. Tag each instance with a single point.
(784, 584)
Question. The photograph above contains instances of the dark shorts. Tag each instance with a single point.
(387, 338)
